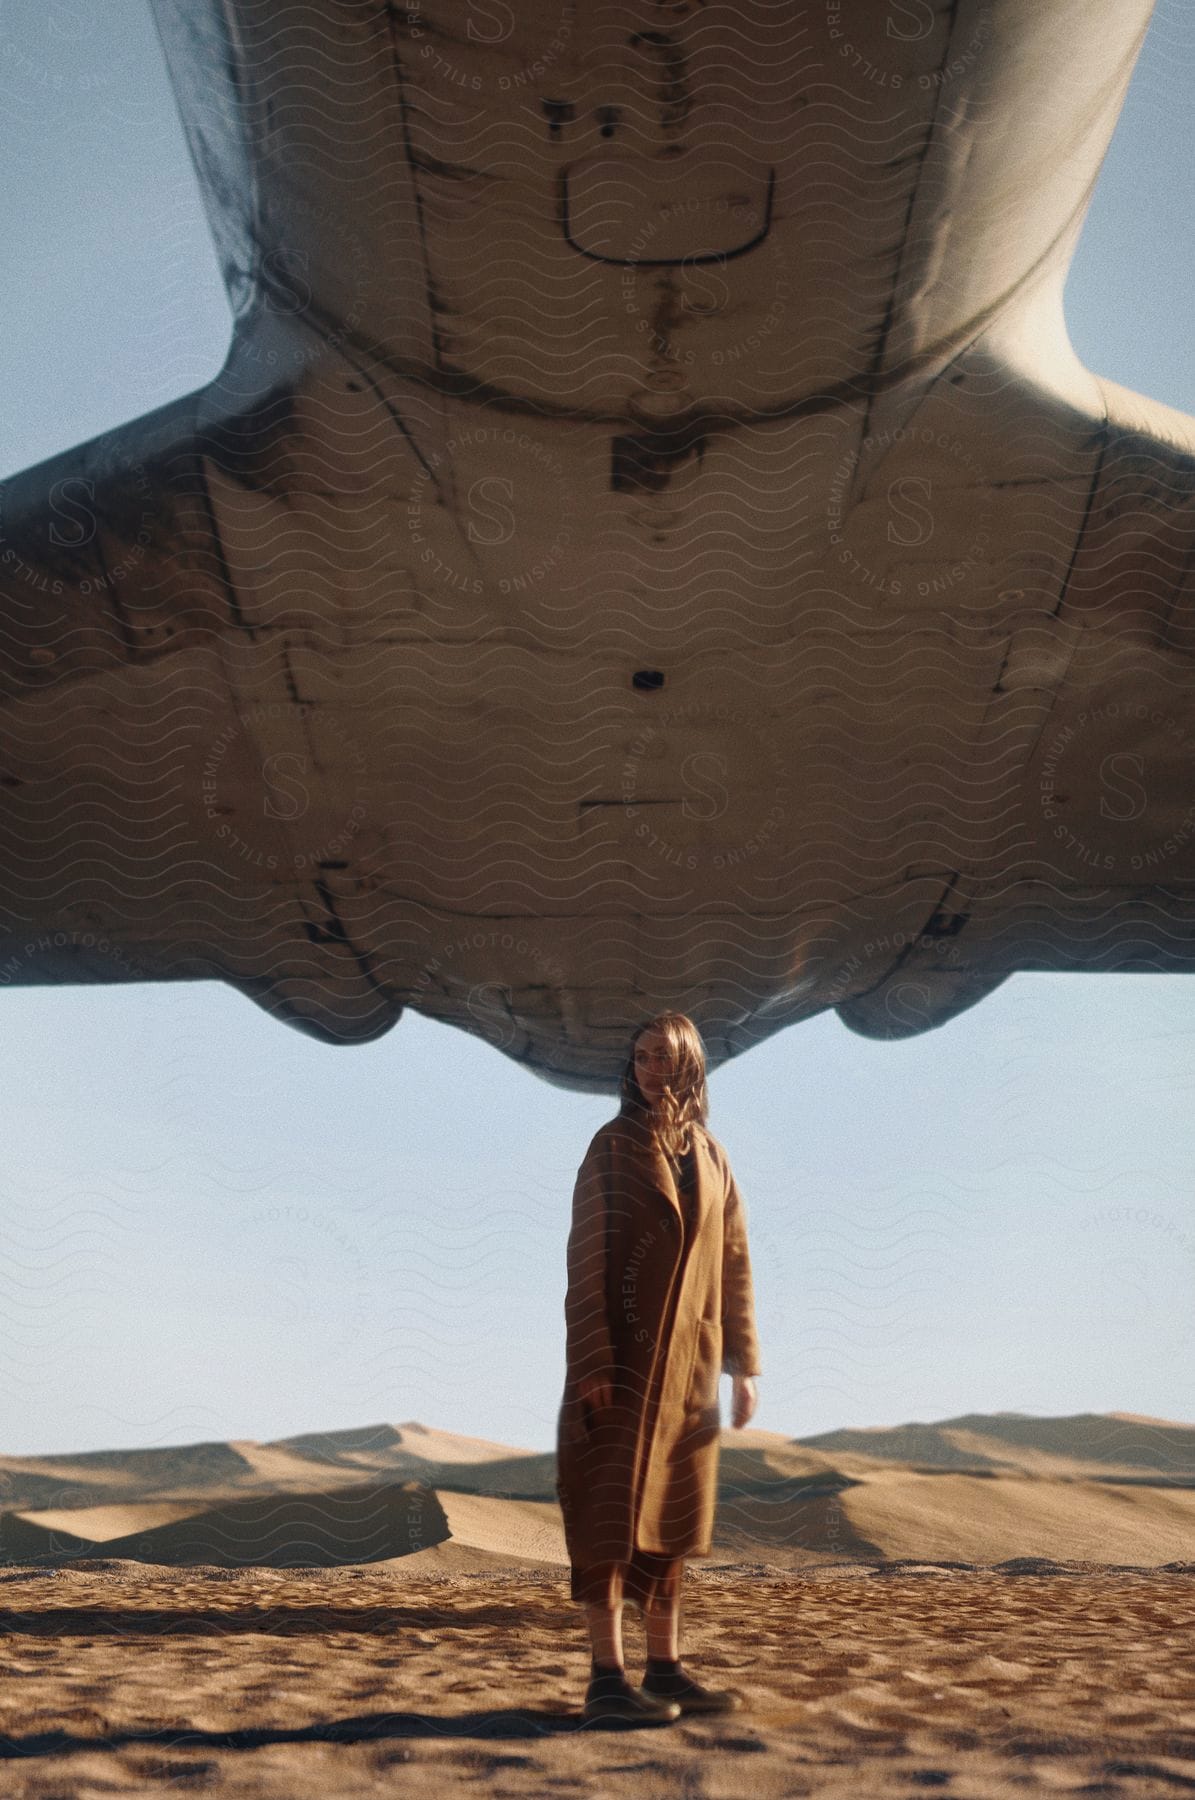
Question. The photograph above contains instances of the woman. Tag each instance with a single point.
(659, 1301)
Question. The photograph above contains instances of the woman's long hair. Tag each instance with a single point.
(685, 1100)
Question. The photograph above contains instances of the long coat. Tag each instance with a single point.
(660, 1310)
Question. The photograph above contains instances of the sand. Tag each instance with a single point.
(863, 1681)
(988, 1605)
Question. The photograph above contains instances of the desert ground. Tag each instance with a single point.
(983, 1607)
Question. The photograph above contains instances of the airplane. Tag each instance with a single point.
(651, 543)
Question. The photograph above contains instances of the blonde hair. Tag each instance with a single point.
(685, 1101)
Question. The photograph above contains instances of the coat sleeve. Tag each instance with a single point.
(588, 1348)
(740, 1344)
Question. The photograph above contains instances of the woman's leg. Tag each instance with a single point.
(600, 1592)
(654, 1582)
(661, 1619)
(605, 1632)
(665, 1678)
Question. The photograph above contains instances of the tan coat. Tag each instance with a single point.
(661, 1313)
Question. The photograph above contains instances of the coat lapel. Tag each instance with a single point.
(664, 1182)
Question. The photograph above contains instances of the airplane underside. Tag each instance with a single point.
(651, 543)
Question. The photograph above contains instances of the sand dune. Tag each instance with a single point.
(393, 1447)
(1085, 1443)
(530, 1529)
(978, 1605)
(978, 1489)
(953, 1516)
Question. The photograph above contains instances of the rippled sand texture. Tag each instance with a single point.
(864, 1680)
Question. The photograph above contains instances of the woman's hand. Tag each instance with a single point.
(743, 1400)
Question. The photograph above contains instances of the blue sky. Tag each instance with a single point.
(214, 1227)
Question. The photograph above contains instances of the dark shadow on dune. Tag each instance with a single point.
(373, 1522)
(1084, 1438)
(372, 1728)
(346, 1443)
(119, 1477)
(916, 1444)
(404, 1451)
(784, 1518)
(274, 1621)
(1093, 1438)
(1144, 1481)
(215, 1473)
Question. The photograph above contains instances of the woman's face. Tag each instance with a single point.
(654, 1066)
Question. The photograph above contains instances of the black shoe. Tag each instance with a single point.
(689, 1695)
(611, 1700)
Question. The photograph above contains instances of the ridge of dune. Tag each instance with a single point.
(1148, 1419)
(390, 1444)
(274, 1464)
(225, 1468)
(100, 1524)
(977, 1488)
(1069, 1445)
(212, 1460)
(529, 1530)
(954, 1516)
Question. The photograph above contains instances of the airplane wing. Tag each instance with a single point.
(651, 542)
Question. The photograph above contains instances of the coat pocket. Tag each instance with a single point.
(706, 1366)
